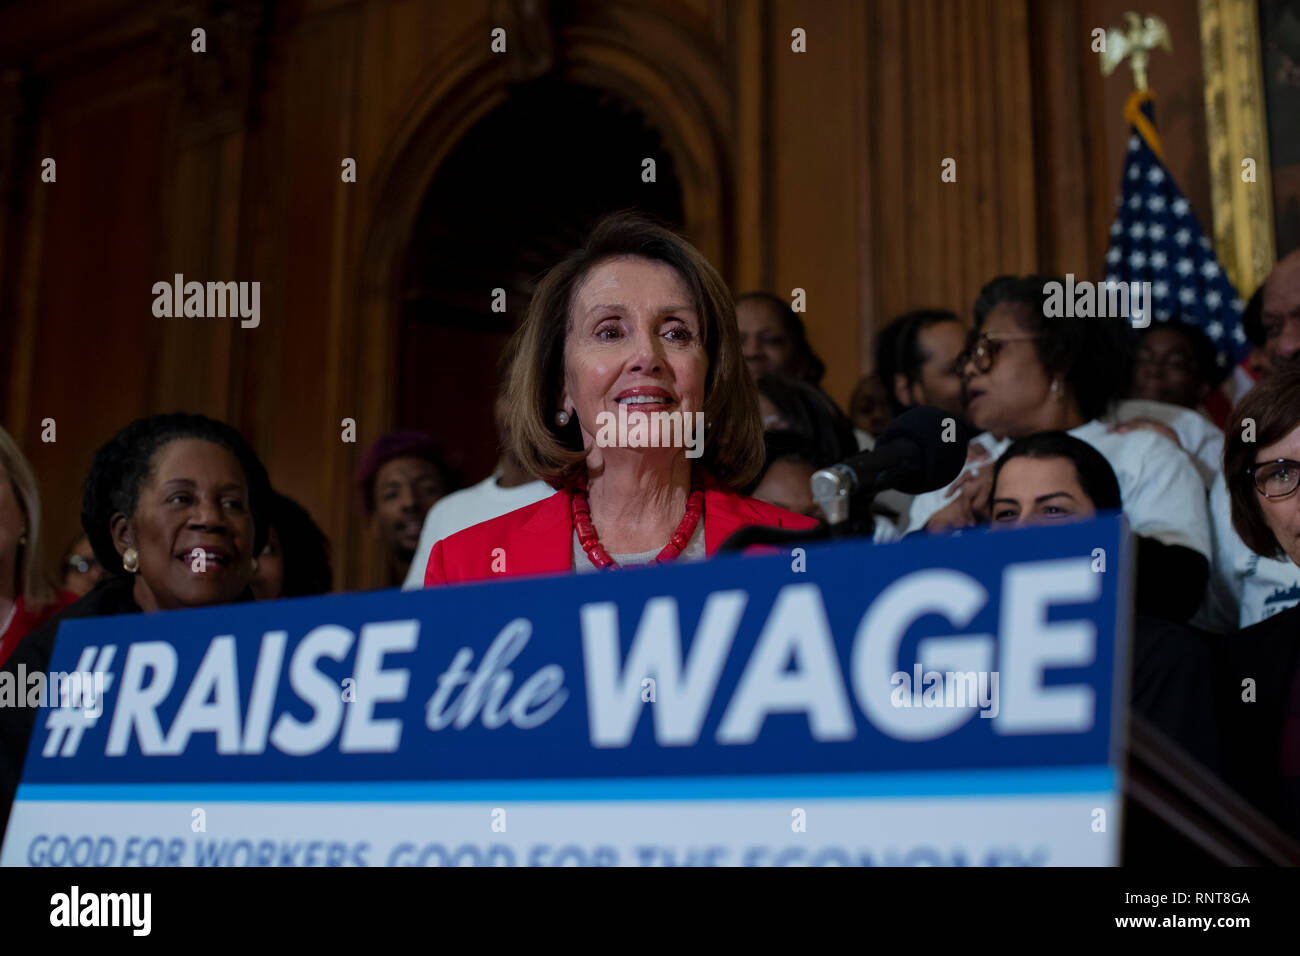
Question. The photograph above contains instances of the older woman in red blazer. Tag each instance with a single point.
(629, 394)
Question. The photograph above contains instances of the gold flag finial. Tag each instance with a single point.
(1135, 43)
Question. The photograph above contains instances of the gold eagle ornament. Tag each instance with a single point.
(1135, 43)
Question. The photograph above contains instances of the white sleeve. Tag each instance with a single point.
(1197, 435)
(884, 530)
(429, 535)
(924, 507)
(1162, 492)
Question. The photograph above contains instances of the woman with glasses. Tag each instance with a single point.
(81, 569)
(1261, 677)
(1025, 373)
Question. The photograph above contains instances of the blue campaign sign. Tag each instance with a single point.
(969, 689)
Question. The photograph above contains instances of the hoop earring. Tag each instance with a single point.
(561, 418)
(131, 560)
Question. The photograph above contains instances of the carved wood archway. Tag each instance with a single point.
(627, 53)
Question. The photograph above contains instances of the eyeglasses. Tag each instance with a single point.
(75, 562)
(1277, 478)
(982, 350)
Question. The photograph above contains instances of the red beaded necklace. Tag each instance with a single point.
(596, 552)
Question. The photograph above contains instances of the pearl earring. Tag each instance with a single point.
(1056, 387)
(131, 560)
(561, 418)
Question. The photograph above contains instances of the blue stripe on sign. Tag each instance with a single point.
(1056, 780)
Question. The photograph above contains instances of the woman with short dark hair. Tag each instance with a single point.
(1027, 372)
(792, 405)
(175, 507)
(1051, 478)
(1261, 480)
(1260, 688)
(1072, 367)
(629, 348)
(1058, 477)
(296, 559)
(773, 339)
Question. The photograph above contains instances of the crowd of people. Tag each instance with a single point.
(1071, 417)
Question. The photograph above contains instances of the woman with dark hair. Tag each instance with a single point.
(80, 567)
(773, 339)
(1260, 686)
(787, 404)
(627, 344)
(175, 507)
(869, 410)
(786, 478)
(1051, 477)
(296, 559)
(806, 431)
(1027, 373)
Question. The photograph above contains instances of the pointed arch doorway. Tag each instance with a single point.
(519, 191)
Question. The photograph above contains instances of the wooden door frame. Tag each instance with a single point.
(689, 108)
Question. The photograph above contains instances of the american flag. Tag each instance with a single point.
(1156, 238)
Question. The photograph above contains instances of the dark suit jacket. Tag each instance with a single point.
(538, 538)
(110, 596)
(1261, 738)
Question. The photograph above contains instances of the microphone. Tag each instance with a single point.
(910, 456)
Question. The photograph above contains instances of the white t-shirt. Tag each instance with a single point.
(467, 507)
(1159, 485)
(1244, 588)
(1197, 435)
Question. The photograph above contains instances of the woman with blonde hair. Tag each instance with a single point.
(27, 598)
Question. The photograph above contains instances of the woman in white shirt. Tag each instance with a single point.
(1027, 373)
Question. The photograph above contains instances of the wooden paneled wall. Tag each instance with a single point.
(816, 170)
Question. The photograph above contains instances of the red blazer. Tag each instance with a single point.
(27, 619)
(538, 538)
